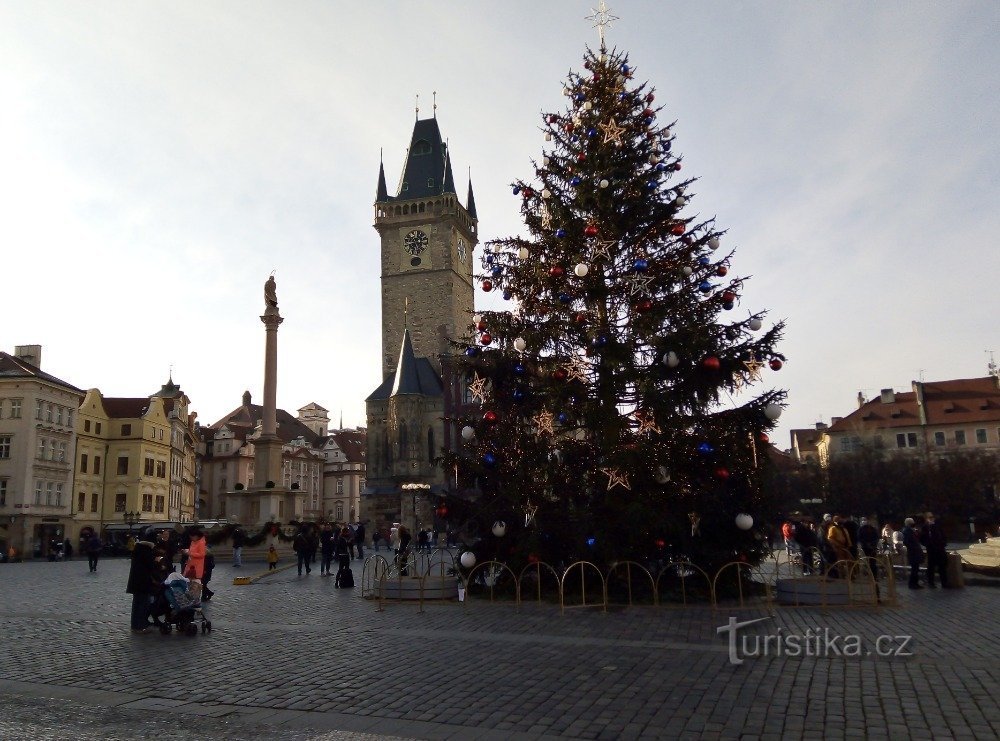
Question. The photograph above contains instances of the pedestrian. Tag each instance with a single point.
(300, 544)
(239, 537)
(403, 551)
(343, 552)
(850, 526)
(839, 540)
(327, 546)
(94, 547)
(887, 538)
(206, 593)
(808, 543)
(788, 533)
(914, 553)
(196, 553)
(67, 549)
(868, 543)
(359, 540)
(932, 537)
(376, 537)
(422, 542)
(272, 558)
(142, 584)
(821, 531)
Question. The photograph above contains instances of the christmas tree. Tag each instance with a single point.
(606, 422)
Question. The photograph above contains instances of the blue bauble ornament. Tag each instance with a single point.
(562, 418)
(575, 180)
(489, 460)
(519, 395)
(471, 351)
(667, 144)
(641, 265)
(622, 96)
(516, 189)
(660, 167)
(579, 97)
(601, 340)
(591, 541)
(506, 295)
(624, 69)
(520, 370)
(497, 271)
(652, 185)
(574, 138)
(560, 233)
(706, 449)
(565, 298)
(704, 286)
(649, 121)
(728, 306)
(704, 260)
(591, 131)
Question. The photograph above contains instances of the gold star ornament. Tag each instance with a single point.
(543, 420)
(616, 478)
(478, 388)
(646, 421)
(612, 132)
(753, 366)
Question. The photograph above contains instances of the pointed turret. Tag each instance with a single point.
(449, 179)
(407, 379)
(470, 203)
(381, 193)
(426, 162)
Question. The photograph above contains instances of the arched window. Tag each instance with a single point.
(421, 147)
(430, 444)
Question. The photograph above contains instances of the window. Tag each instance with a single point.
(4, 446)
(981, 436)
(59, 493)
(123, 465)
(93, 501)
(148, 467)
(62, 452)
(147, 502)
(340, 511)
(281, 509)
(340, 486)
(81, 501)
(126, 430)
(430, 444)
(159, 434)
(120, 502)
(48, 412)
(41, 448)
(3, 492)
(86, 425)
(38, 409)
(161, 469)
(939, 438)
(52, 450)
(69, 417)
(159, 504)
(97, 464)
(97, 431)
(49, 493)
(959, 437)
(911, 439)
(223, 483)
(224, 465)
(38, 492)
(59, 415)
(15, 408)
(83, 463)
(361, 485)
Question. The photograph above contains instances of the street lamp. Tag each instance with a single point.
(131, 519)
(413, 489)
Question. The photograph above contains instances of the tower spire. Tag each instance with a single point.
(417, 106)
(470, 201)
(435, 104)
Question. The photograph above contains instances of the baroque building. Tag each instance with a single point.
(427, 238)
(38, 414)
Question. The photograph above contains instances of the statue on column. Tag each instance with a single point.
(270, 292)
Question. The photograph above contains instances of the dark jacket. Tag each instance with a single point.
(342, 546)
(868, 538)
(239, 537)
(914, 553)
(94, 545)
(932, 537)
(300, 543)
(142, 574)
(327, 540)
(359, 534)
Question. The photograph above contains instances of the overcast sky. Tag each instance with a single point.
(158, 160)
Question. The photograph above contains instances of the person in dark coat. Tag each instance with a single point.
(403, 553)
(851, 526)
(359, 540)
(300, 544)
(142, 584)
(932, 537)
(313, 538)
(914, 553)
(808, 542)
(326, 542)
(343, 551)
(868, 538)
(94, 548)
(239, 538)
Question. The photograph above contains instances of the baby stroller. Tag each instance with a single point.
(179, 605)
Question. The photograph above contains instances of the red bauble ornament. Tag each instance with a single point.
(569, 126)
(650, 97)
(442, 511)
(580, 318)
(560, 374)
(661, 543)
(490, 417)
(677, 229)
(590, 230)
(527, 193)
(722, 473)
(728, 297)
(721, 270)
(553, 118)
(597, 77)
(581, 157)
(763, 437)
(649, 112)
(643, 306)
(775, 364)
(532, 558)
(687, 240)
(486, 339)
(711, 363)
(487, 285)
(557, 271)
(676, 166)
(481, 326)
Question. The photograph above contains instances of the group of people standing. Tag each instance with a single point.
(844, 539)
(341, 542)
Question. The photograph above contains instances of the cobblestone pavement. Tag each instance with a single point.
(294, 657)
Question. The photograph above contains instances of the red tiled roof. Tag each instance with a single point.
(122, 407)
(14, 367)
(353, 443)
(289, 427)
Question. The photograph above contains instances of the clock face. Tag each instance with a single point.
(415, 242)
(462, 252)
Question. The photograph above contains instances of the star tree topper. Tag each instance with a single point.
(602, 17)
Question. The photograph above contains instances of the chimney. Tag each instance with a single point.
(888, 396)
(835, 420)
(861, 399)
(821, 425)
(29, 354)
(246, 398)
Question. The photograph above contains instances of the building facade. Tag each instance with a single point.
(38, 415)
(344, 474)
(427, 239)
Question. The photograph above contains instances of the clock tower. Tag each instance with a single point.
(427, 238)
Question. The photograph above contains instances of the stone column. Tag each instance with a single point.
(267, 455)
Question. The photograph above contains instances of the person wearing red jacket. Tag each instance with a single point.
(195, 568)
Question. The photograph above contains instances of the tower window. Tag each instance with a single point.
(421, 147)
(430, 182)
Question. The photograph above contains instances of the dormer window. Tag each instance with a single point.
(430, 182)
(421, 147)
